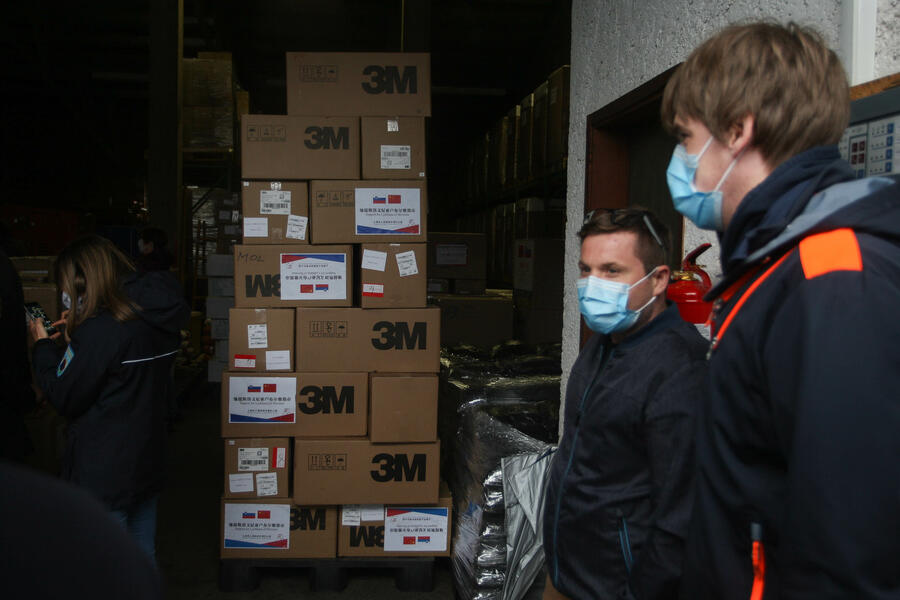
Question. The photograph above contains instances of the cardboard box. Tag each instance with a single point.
(539, 116)
(354, 84)
(278, 147)
(457, 255)
(378, 339)
(540, 218)
(403, 407)
(354, 471)
(392, 276)
(393, 147)
(524, 140)
(207, 82)
(295, 404)
(293, 275)
(45, 294)
(345, 212)
(257, 467)
(34, 269)
(220, 287)
(275, 212)
(468, 286)
(277, 528)
(220, 265)
(540, 264)
(261, 339)
(481, 321)
(512, 146)
(409, 530)
(558, 117)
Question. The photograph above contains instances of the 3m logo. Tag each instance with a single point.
(306, 519)
(397, 467)
(397, 336)
(265, 286)
(325, 400)
(366, 535)
(388, 80)
(325, 138)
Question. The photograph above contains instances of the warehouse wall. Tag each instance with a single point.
(617, 45)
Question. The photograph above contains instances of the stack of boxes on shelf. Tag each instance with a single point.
(219, 301)
(329, 404)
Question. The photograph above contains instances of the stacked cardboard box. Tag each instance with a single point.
(331, 389)
(208, 102)
(538, 283)
(219, 301)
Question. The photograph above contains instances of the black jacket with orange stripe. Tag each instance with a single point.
(799, 446)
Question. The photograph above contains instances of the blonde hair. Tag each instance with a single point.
(785, 76)
(89, 270)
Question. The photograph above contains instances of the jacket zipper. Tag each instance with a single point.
(625, 544)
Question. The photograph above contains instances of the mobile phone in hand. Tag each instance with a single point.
(36, 311)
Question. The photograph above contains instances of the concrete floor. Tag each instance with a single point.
(188, 531)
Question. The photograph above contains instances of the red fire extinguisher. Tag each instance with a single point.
(689, 285)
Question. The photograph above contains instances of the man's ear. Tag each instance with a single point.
(660, 280)
(740, 134)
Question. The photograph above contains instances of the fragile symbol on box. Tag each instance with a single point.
(327, 462)
(328, 329)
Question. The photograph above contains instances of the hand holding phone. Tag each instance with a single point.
(36, 315)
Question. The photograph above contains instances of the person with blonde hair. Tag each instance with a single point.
(110, 381)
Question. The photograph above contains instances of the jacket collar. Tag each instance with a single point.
(667, 319)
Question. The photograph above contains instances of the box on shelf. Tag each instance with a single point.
(403, 407)
(277, 528)
(356, 83)
(511, 147)
(524, 139)
(558, 117)
(257, 467)
(477, 320)
(278, 147)
(261, 339)
(539, 128)
(220, 265)
(457, 255)
(217, 308)
(344, 212)
(221, 287)
(378, 339)
(275, 212)
(392, 276)
(393, 147)
(207, 82)
(539, 267)
(280, 276)
(356, 471)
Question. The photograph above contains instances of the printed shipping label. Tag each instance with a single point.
(313, 276)
(262, 400)
(373, 290)
(396, 157)
(415, 529)
(266, 484)
(274, 202)
(296, 227)
(258, 336)
(253, 459)
(374, 260)
(240, 482)
(256, 227)
(278, 359)
(350, 515)
(280, 456)
(406, 264)
(453, 255)
(244, 361)
(372, 512)
(261, 526)
(388, 211)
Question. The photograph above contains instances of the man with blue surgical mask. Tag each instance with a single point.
(619, 491)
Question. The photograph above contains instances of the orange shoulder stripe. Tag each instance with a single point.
(836, 250)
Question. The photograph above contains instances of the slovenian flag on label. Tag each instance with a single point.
(379, 200)
(254, 388)
(248, 515)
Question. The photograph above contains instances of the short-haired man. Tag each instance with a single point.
(798, 490)
(618, 496)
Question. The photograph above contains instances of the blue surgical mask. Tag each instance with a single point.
(67, 301)
(604, 303)
(703, 208)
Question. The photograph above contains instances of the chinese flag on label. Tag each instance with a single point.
(409, 540)
(270, 387)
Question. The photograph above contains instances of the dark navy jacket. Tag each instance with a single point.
(111, 383)
(800, 440)
(618, 497)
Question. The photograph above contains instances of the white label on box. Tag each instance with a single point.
(374, 260)
(274, 202)
(406, 263)
(240, 483)
(393, 125)
(244, 361)
(280, 455)
(256, 227)
(257, 526)
(454, 255)
(421, 529)
(372, 512)
(258, 335)
(523, 271)
(253, 459)
(396, 157)
(313, 276)
(373, 290)
(275, 185)
(350, 515)
(296, 227)
(278, 359)
(388, 211)
(262, 400)
(266, 484)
